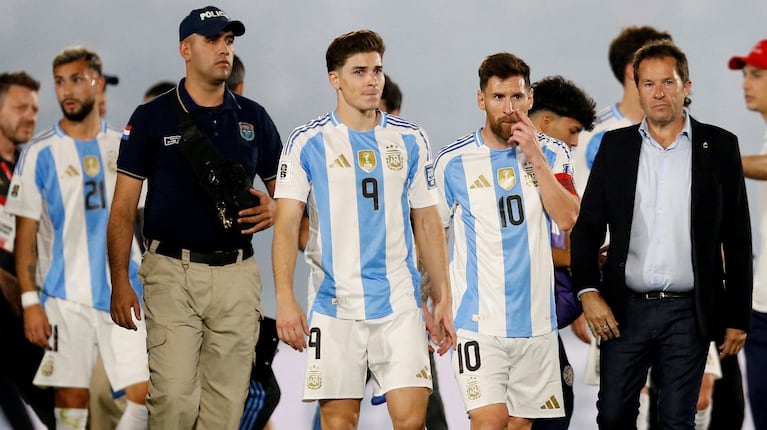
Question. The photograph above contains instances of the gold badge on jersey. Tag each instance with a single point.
(91, 163)
(394, 157)
(507, 178)
(313, 378)
(472, 389)
(367, 160)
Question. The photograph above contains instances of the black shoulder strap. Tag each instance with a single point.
(196, 146)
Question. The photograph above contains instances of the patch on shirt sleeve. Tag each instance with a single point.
(431, 182)
(126, 132)
(283, 175)
(567, 168)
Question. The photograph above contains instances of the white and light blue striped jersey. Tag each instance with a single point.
(607, 119)
(359, 188)
(67, 186)
(501, 269)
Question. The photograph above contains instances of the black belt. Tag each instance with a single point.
(659, 295)
(215, 258)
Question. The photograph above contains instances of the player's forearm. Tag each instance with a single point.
(561, 205)
(431, 242)
(26, 253)
(755, 166)
(561, 257)
(119, 240)
(283, 265)
(284, 250)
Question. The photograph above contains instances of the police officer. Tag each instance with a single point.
(202, 286)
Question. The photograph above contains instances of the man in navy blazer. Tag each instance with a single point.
(671, 192)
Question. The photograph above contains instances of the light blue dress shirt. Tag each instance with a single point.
(660, 245)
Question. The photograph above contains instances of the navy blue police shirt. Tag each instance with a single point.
(175, 210)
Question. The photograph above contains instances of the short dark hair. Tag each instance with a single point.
(355, 42)
(238, 74)
(391, 96)
(20, 78)
(564, 98)
(659, 50)
(161, 87)
(627, 42)
(502, 65)
(77, 53)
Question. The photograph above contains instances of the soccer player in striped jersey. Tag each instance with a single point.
(502, 186)
(361, 175)
(622, 114)
(60, 194)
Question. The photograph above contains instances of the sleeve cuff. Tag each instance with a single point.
(586, 290)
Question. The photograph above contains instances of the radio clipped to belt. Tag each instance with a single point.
(223, 182)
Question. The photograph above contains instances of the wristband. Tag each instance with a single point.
(29, 299)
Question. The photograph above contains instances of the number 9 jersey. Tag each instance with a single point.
(359, 188)
(501, 268)
(67, 186)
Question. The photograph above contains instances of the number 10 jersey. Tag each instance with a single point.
(501, 268)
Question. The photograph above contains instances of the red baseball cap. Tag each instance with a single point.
(757, 58)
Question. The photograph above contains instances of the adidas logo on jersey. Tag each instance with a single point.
(341, 161)
(480, 182)
(423, 374)
(552, 403)
(71, 172)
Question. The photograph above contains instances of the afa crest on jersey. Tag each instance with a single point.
(394, 158)
(472, 389)
(367, 160)
(247, 131)
(506, 177)
(91, 165)
(314, 378)
(530, 178)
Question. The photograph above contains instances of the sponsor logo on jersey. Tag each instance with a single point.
(171, 140)
(507, 177)
(552, 403)
(424, 373)
(283, 174)
(313, 378)
(367, 160)
(567, 168)
(247, 131)
(394, 157)
(340, 161)
(91, 164)
(126, 132)
(431, 181)
(15, 190)
(480, 182)
(472, 389)
(71, 172)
